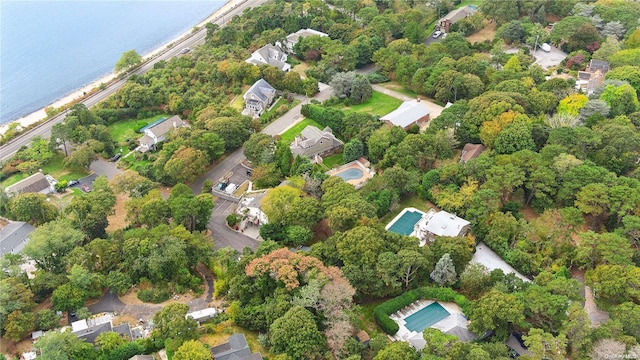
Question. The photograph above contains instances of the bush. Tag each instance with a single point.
(377, 78)
(232, 220)
(155, 296)
(381, 312)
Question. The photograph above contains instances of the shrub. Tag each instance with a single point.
(232, 220)
(155, 296)
(377, 78)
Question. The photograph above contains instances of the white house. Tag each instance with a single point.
(439, 223)
(250, 208)
(158, 131)
(270, 55)
(294, 38)
(258, 98)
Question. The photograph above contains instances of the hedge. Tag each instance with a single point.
(381, 312)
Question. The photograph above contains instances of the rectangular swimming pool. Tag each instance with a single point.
(404, 225)
(426, 317)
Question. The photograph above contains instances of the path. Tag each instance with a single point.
(596, 315)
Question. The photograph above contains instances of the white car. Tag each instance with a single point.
(437, 33)
(185, 50)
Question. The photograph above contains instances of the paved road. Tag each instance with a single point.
(222, 235)
(104, 167)
(44, 130)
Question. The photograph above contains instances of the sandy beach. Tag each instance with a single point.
(41, 114)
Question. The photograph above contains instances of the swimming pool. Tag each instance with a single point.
(404, 224)
(426, 317)
(350, 174)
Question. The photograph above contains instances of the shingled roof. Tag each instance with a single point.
(33, 184)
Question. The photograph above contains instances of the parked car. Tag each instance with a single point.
(116, 157)
(86, 188)
(437, 33)
(73, 182)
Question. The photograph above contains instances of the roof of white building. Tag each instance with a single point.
(408, 113)
(442, 223)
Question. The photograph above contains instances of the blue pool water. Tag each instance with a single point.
(350, 174)
(404, 225)
(426, 317)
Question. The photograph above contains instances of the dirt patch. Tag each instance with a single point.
(11, 348)
(301, 69)
(487, 32)
(528, 213)
(119, 218)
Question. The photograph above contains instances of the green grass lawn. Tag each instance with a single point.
(296, 129)
(54, 168)
(281, 101)
(124, 130)
(392, 85)
(333, 160)
(365, 319)
(409, 201)
(379, 104)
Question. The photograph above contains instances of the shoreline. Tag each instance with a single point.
(39, 115)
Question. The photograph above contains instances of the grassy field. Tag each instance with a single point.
(54, 168)
(410, 201)
(125, 130)
(333, 160)
(379, 104)
(295, 130)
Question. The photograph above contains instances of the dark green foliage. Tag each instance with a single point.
(353, 150)
(154, 295)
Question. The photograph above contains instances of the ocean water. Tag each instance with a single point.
(48, 49)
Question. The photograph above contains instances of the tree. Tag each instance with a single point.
(81, 157)
(173, 328)
(185, 165)
(622, 99)
(50, 243)
(353, 150)
(494, 311)
(544, 345)
(18, 325)
(259, 149)
(279, 202)
(633, 41)
(354, 87)
(128, 60)
(297, 335)
(437, 342)
(192, 350)
(55, 345)
(609, 47)
(500, 11)
(614, 283)
(47, 319)
(68, 298)
(444, 273)
(33, 208)
(625, 57)
(109, 341)
(398, 350)
(628, 314)
(475, 280)
(626, 73)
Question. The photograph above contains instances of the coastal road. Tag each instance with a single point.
(197, 38)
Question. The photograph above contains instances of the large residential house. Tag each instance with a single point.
(158, 131)
(440, 223)
(592, 76)
(294, 38)
(13, 236)
(270, 55)
(258, 98)
(453, 17)
(409, 113)
(235, 349)
(36, 183)
(314, 142)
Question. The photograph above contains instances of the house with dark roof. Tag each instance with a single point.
(470, 151)
(453, 17)
(36, 183)
(313, 142)
(409, 113)
(258, 98)
(13, 236)
(592, 76)
(89, 329)
(270, 55)
(294, 38)
(158, 132)
(236, 348)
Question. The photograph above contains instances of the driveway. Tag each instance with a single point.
(222, 235)
(492, 261)
(109, 303)
(549, 59)
(104, 167)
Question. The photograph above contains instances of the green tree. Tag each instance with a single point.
(475, 280)
(398, 350)
(185, 165)
(614, 283)
(278, 204)
(172, 328)
(192, 350)
(47, 319)
(109, 341)
(18, 325)
(68, 298)
(445, 272)
(55, 345)
(297, 335)
(50, 243)
(128, 60)
(628, 314)
(259, 149)
(353, 150)
(33, 208)
(494, 311)
(544, 345)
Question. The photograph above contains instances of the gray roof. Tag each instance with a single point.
(142, 357)
(295, 37)
(601, 65)
(260, 88)
(408, 113)
(167, 125)
(33, 184)
(272, 54)
(462, 333)
(123, 330)
(92, 333)
(236, 348)
(457, 14)
(514, 344)
(14, 236)
(310, 136)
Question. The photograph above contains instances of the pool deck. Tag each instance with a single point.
(356, 164)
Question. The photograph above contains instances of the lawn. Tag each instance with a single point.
(392, 85)
(365, 319)
(281, 101)
(238, 101)
(54, 168)
(296, 129)
(379, 104)
(124, 130)
(334, 160)
(409, 201)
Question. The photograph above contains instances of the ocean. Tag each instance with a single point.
(48, 49)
